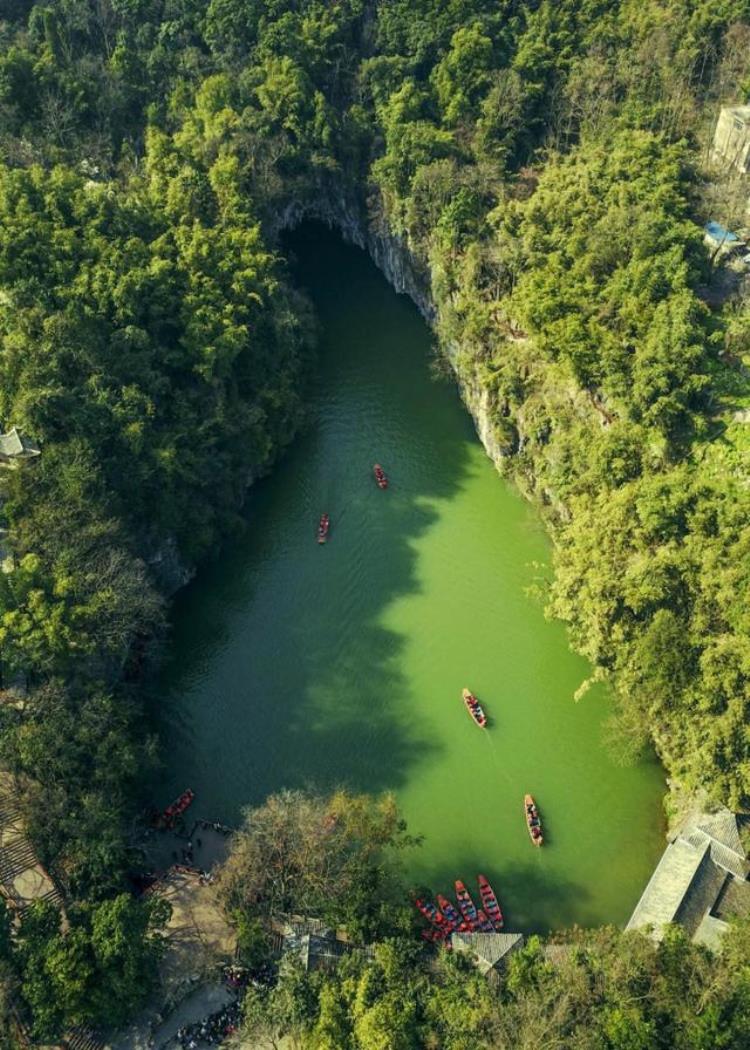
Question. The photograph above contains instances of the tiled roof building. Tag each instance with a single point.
(488, 949)
(16, 448)
(692, 879)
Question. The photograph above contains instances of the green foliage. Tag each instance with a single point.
(253, 946)
(96, 969)
(605, 991)
(540, 162)
(151, 349)
(622, 992)
(284, 1011)
(331, 858)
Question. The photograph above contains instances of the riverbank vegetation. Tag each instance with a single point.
(541, 165)
(336, 858)
(603, 991)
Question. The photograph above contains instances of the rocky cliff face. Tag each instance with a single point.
(344, 212)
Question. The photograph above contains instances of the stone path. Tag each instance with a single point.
(22, 878)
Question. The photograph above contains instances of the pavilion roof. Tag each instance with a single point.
(13, 443)
(489, 948)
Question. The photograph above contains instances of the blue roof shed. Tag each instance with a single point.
(720, 234)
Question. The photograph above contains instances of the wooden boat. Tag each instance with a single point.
(483, 924)
(475, 709)
(490, 902)
(380, 477)
(431, 913)
(533, 823)
(453, 917)
(466, 904)
(323, 528)
(177, 808)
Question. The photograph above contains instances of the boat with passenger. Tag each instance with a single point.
(475, 709)
(490, 902)
(533, 821)
(323, 527)
(380, 476)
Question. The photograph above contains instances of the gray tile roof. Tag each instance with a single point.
(726, 846)
(316, 945)
(693, 869)
(668, 885)
(489, 948)
(325, 951)
(13, 444)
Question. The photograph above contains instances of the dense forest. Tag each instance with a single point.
(543, 168)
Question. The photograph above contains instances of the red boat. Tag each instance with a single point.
(178, 807)
(483, 923)
(490, 902)
(475, 709)
(533, 823)
(380, 477)
(323, 528)
(432, 914)
(434, 936)
(450, 913)
(466, 905)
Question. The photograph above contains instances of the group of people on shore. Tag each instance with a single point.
(213, 1030)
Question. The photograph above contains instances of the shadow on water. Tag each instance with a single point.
(281, 674)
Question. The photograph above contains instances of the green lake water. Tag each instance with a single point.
(296, 664)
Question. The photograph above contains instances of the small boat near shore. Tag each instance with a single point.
(323, 527)
(454, 919)
(490, 902)
(533, 822)
(380, 476)
(466, 905)
(475, 709)
(177, 808)
(432, 914)
(483, 924)
(445, 919)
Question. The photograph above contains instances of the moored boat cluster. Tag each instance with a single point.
(446, 919)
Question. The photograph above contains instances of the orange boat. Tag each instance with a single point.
(380, 477)
(533, 823)
(475, 709)
(323, 528)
